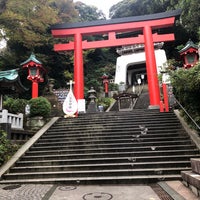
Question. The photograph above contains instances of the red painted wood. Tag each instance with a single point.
(106, 86)
(165, 95)
(78, 68)
(161, 106)
(113, 42)
(34, 89)
(152, 76)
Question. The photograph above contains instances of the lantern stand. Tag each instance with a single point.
(189, 54)
(105, 82)
(35, 73)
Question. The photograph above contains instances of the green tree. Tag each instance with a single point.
(98, 62)
(27, 26)
(66, 10)
(190, 17)
(88, 13)
(29, 20)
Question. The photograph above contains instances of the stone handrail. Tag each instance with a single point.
(16, 121)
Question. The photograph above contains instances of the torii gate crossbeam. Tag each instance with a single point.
(144, 24)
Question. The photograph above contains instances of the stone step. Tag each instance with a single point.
(195, 163)
(191, 178)
(95, 173)
(64, 158)
(119, 144)
(56, 160)
(108, 148)
(135, 112)
(108, 121)
(113, 154)
(111, 135)
(134, 122)
(50, 166)
(115, 149)
(114, 139)
(105, 166)
(118, 126)
(172, 129)
(96, 180)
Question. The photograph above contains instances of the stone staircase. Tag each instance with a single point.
(141, 146)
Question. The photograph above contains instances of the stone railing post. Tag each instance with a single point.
(16, 121)
(4, 118)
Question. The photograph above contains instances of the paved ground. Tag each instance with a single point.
(105, 193)
(98, 192)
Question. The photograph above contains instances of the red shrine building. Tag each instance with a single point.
(189, 54)
(146, 29)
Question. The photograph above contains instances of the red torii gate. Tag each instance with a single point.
(145, 24)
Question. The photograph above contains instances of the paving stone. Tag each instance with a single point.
(24, 192)
(87, 192)
(100, 192)
(182, 188)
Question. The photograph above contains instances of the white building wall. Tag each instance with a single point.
(136, 58)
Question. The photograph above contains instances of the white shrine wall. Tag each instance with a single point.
(124, 61)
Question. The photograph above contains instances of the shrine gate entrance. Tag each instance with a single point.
(146, 26)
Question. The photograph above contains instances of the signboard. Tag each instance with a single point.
(61, 94)
(70, 104)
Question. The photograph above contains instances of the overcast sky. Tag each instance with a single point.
(103, 5)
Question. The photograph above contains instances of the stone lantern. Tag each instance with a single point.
(92, 106)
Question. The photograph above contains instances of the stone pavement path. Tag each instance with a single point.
(65, 192)
(105, 193)
(23, 192)
(89, 192)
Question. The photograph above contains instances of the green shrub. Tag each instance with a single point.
(40, 107)
(105, 102)
(7, 149)
(15, 105)
(186, 87)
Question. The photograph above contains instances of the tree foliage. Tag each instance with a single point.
(88, 13)
(27, 27)
(7, 148)
(22, 17)
(190, 17)
(186, 86)
(98, 61)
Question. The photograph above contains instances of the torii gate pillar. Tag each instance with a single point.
(78, 67)
(152, 75)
